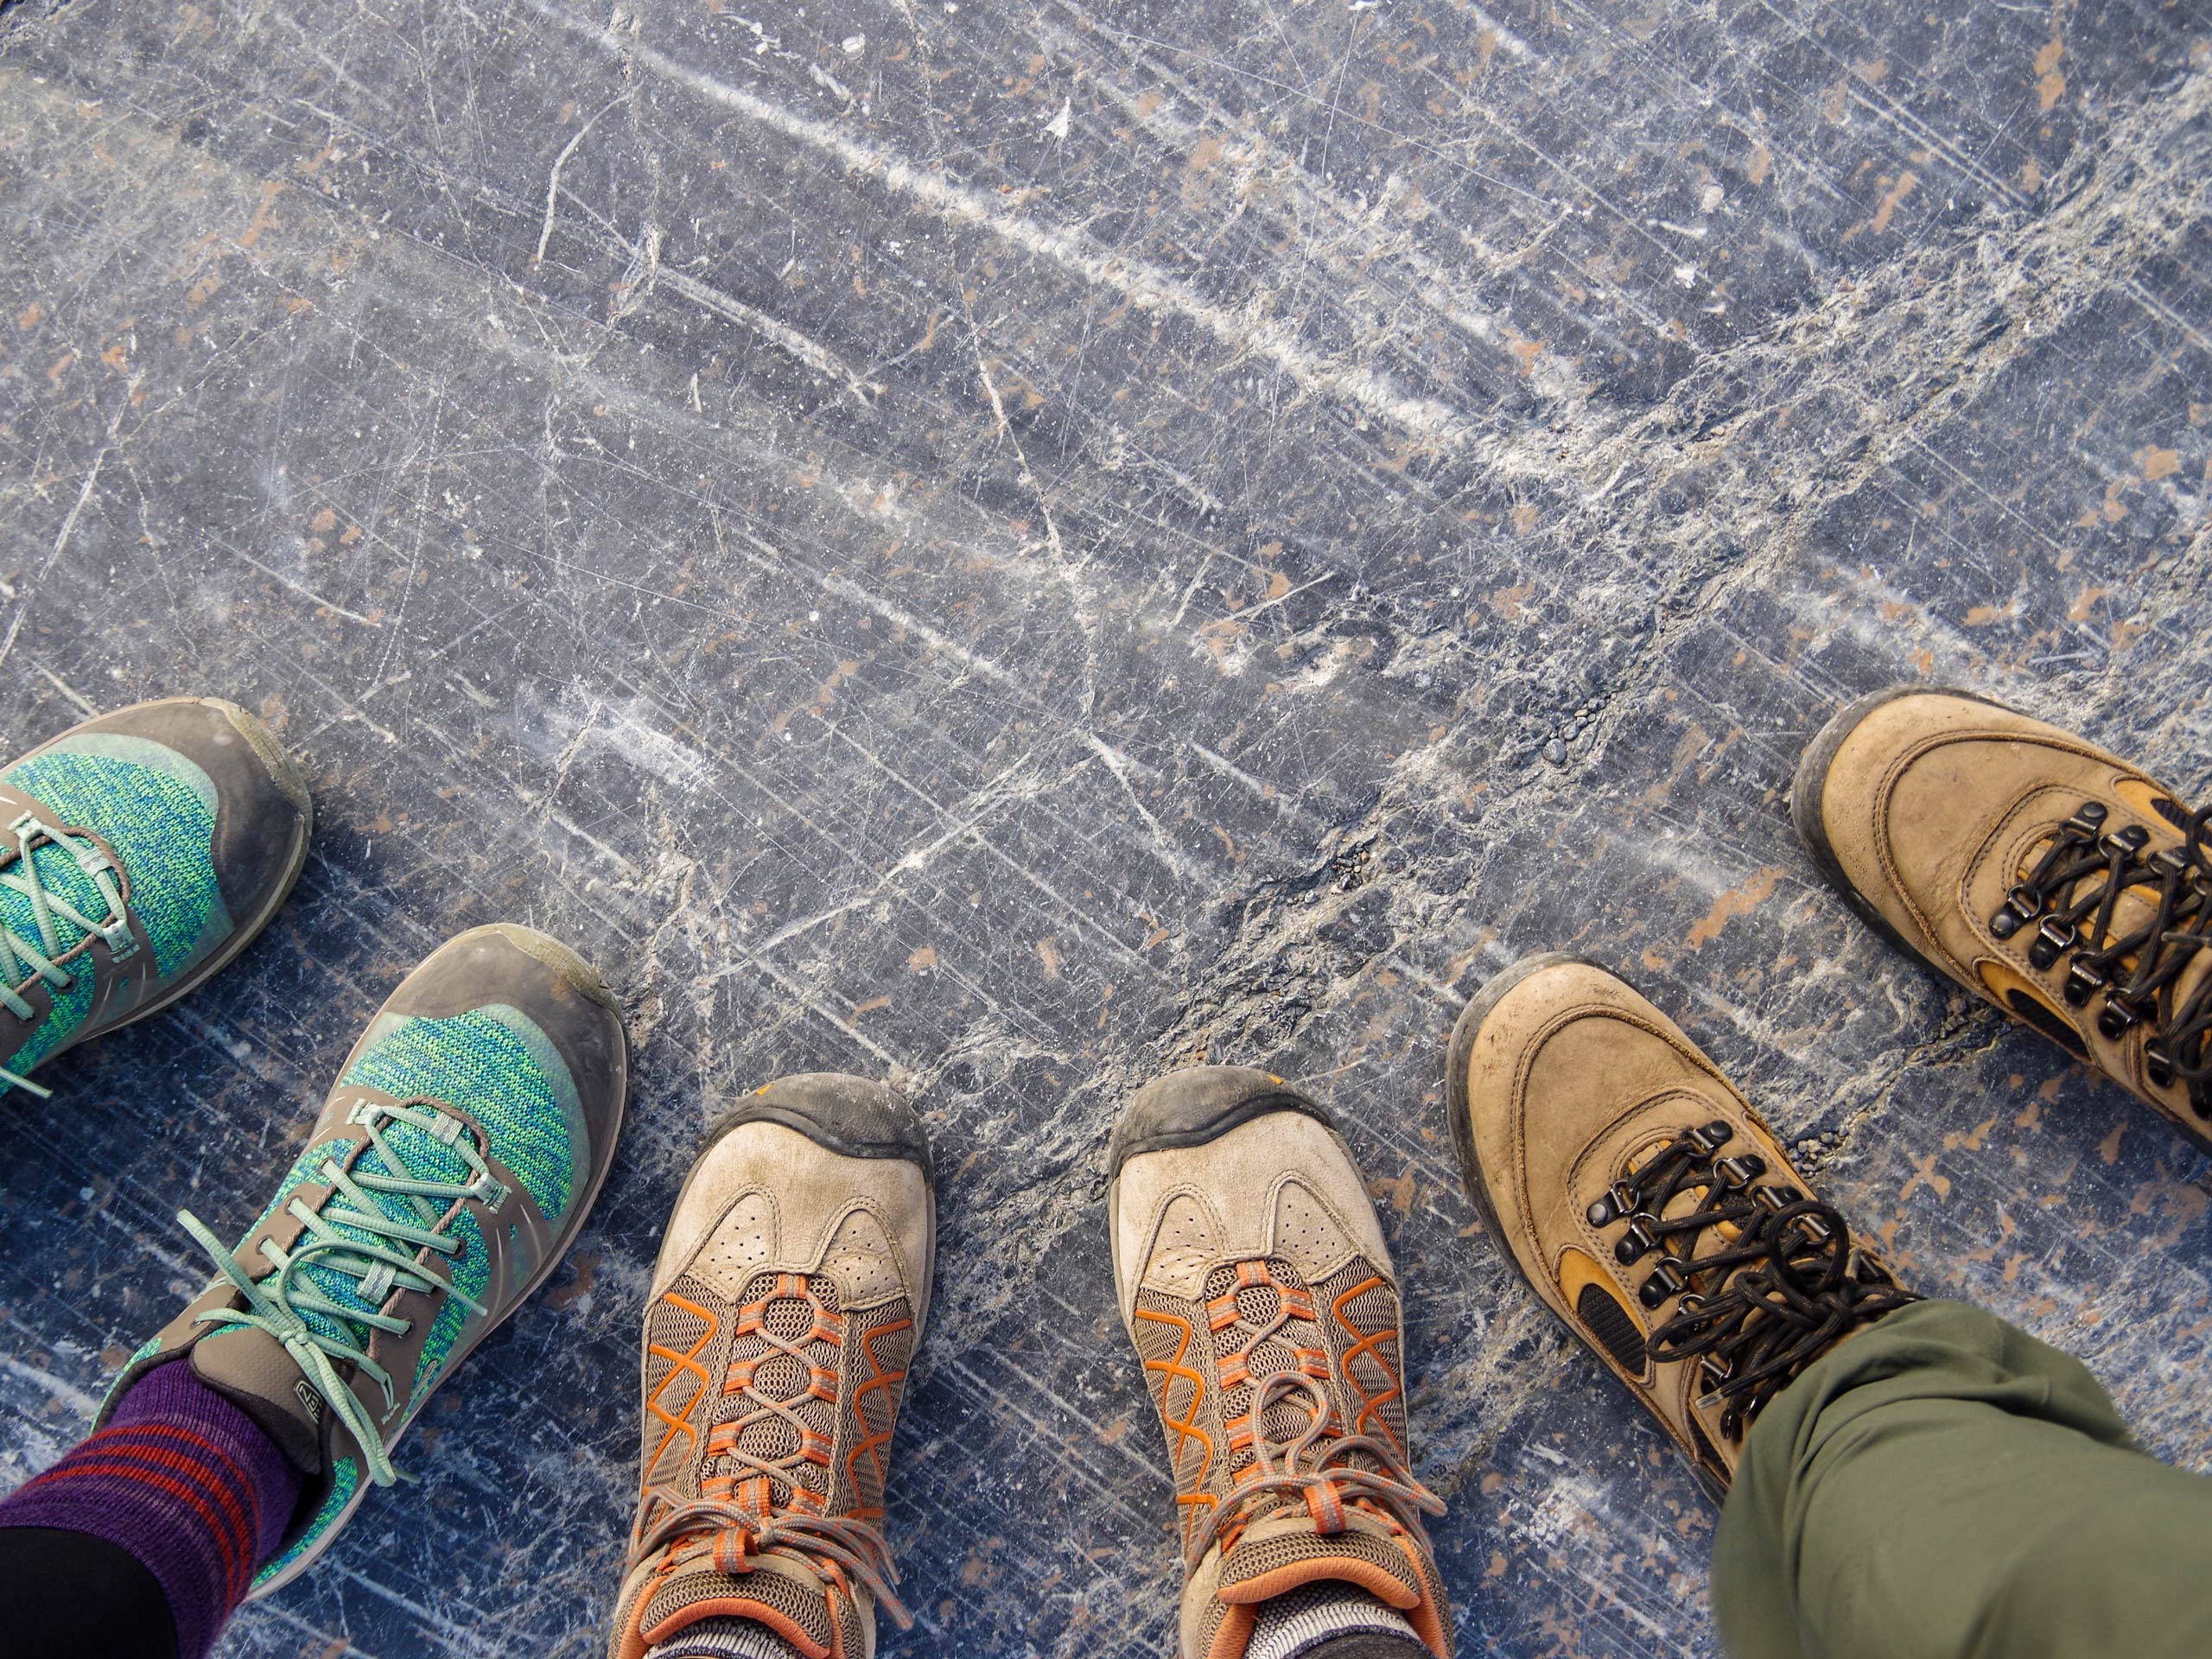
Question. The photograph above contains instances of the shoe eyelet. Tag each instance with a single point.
(2158, 1063)
(1663, 1282)
(2082, 982)
(1618, 1201)
(2051, 937)
(2118, 1017)
(1637, 1241)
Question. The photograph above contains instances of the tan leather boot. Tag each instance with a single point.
(1647, 1206)
(789, 1298)
(2046, 875)
(1255, 1282)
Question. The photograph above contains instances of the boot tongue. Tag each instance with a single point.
(1276, 1555)
(780, 1595)
(249, 1368)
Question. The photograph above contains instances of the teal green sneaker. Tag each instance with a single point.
(452, 1167)
(139, 852)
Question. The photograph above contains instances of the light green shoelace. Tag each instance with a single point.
(19, 957)
(280, 1301)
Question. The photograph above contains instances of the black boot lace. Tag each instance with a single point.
(2072, 897)
(1781, 1285)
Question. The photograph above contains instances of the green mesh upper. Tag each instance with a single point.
(162, 829)
(479, 1063)
(306, 1168)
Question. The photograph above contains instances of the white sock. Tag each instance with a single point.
(725, 1638)
(1300, 1620)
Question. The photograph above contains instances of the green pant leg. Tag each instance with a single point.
(1944, 1486)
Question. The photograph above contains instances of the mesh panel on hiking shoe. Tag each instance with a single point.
(1177, 1352)
(1256, 1558)
(1608, 1321)
(706, 1594)
(1359, 1313)
(772, 1428)
(1309, 1447)
(878, 1373)
(1262, 1318)
(767, 1428)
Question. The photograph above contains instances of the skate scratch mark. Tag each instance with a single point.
(308, 593)
(61, 539)
(553, 178)
(1145, 287)
(645, 257)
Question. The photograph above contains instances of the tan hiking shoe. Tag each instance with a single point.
(788, 1300)
(1253, 1278)
(2046, 875)
(1646, 1204)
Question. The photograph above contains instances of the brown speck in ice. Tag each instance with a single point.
(1737, 901)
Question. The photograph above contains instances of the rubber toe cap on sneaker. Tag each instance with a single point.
(263, 810)
(856, 1117)
(552, 986)
(1197, 1104)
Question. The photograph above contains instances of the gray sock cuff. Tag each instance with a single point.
(1368, 1644)
(725, 1638)
(1330, 1620)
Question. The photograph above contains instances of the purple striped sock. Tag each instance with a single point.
(182, 1479)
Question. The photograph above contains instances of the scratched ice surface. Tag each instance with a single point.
(1009, 546)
